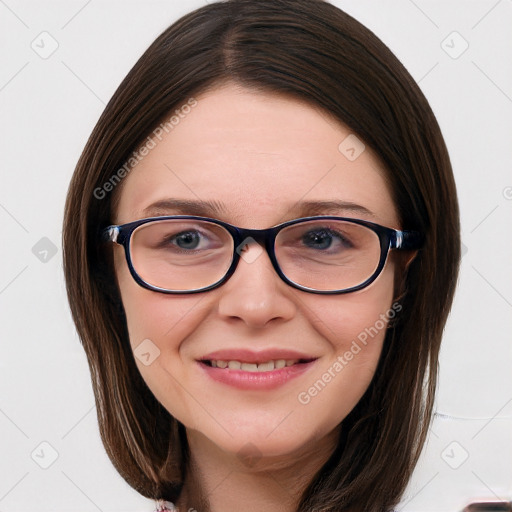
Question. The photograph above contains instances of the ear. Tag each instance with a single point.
(407, 259)
(403, 261)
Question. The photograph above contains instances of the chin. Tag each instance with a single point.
(252, 442)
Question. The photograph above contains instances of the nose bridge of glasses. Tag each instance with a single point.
(260, 236)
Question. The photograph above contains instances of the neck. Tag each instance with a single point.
(218, 480)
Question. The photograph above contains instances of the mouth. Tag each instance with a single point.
(261, 371)
(253, 367)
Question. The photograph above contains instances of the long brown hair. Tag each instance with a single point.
(313, 51)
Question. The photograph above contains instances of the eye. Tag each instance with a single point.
(189, 240)
(186, 239)
(180, 238)
(323, 238)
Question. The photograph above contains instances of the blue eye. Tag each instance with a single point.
(187, 239)
(323, 239)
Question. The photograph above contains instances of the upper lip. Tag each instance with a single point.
(248, 356)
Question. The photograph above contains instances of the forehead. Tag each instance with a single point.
(256, 156)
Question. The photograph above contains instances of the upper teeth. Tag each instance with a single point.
(254, 367)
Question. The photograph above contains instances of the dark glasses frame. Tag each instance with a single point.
(389, 239)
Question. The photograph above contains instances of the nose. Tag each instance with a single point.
(255, 294)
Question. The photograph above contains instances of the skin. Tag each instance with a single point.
(258, 154)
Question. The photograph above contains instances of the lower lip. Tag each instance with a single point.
(256, 380)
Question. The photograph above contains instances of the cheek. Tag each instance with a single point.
(355, 326)
(359, 318)
(157, 324)
(153, 316)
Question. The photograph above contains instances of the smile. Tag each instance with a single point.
(264, 376)
(267, 366)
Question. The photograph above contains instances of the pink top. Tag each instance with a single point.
(162, 506)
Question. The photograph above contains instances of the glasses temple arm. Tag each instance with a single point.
(407, 240)
(110, 234)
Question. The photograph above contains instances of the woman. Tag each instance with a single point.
(261, 247)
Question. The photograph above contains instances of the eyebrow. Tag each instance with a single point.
(211, 208)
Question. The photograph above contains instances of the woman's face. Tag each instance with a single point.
(258, 156)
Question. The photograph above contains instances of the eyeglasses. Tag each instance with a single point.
(322, 254)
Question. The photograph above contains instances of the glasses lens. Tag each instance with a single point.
(181, 254)
(328, 255)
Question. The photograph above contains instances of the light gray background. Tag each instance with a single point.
(48, 108)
